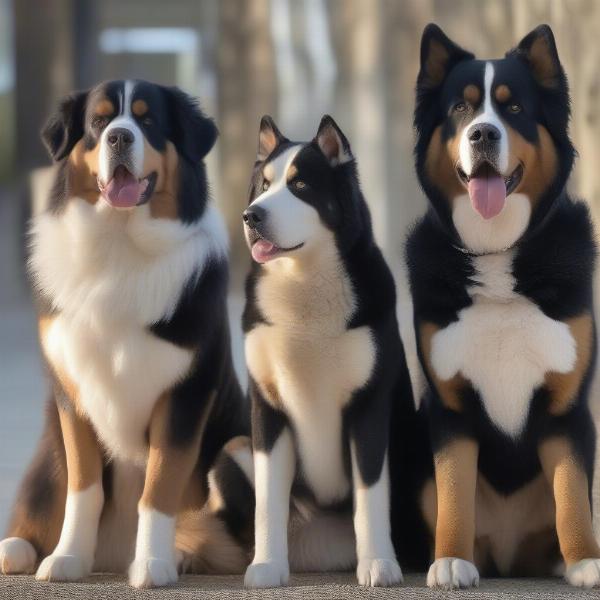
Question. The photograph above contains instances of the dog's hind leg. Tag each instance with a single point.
(321, 542)
(38, 513)
(218, 539)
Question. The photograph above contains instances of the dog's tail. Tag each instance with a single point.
(218, 539)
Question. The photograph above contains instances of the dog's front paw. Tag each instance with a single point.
(62, 567)
(585, 573)
(267, 574)
(16, 556)
(452, 573)
(152, 572)
(378, 572)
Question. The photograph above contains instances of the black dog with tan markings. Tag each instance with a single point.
(501, 276)
(129, 261)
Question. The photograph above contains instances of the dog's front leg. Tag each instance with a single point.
(564, 471)
(274, 467)
(73, 557)
(171, 461)
(455, 479)
(377, 564)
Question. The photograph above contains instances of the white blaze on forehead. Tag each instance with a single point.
(124, 121)
(289, 220)
(488, 115)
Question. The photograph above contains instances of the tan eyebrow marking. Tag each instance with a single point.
(292, 172)
(269, 172)
(139, 107)
(105, 108)
(503, 93)
(472, 94)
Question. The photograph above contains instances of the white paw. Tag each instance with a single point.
(378, 572)
(585, 573)
(16, 556)
(66, 567)
(452, 573)
(152, 572)
(267, 574)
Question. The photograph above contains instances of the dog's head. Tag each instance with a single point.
(125, 141)
(493, 151)
(302, 195)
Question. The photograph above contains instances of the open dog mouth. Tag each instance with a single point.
(125, 190)
(488, 189)
(264, 250)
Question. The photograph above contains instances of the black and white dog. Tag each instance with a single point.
(501, 276)
(325, 362)
(129, 264)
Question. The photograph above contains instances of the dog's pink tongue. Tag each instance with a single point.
(488, 195)
(262, 251)
(123, 190)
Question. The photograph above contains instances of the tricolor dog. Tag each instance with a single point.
(325, 362)
(501, 276)
(129, 263)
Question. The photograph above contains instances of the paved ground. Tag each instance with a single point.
(22, 388)
(303, 587)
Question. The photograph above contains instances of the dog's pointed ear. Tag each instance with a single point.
(438, 55)
(193, 133)
(269, 137)
(333, 142)
(538, 49)
(65, 127)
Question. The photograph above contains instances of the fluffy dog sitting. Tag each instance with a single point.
(501, 276)
(129, 263)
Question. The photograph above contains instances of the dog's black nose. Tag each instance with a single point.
(120, 138)
(484, 133)
(253, 216)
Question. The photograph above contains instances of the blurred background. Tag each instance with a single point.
(293, 59)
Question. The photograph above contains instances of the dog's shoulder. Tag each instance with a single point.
(555, 267)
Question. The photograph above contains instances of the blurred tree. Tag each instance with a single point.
(246, 90)
(44, 70)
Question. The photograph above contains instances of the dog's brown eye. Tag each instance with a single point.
(265, 185)
(514, 108)
(460, 107)
(299, 184)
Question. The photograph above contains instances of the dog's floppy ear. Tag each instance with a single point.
(333, 142)
(192, 132)
(269, 137)
(438, 55)
(538, 49)
(65, 127)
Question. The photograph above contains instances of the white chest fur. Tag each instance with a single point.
(120, 370)
(504, 344)
(110, 275)
(315, 363)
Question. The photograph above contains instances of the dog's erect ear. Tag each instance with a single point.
(333, 142)
(438, 55)
(269, 137)
(191, 131)
(538, 49)
(65, 127)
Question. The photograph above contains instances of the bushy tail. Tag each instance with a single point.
(219, 538)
